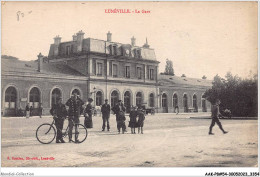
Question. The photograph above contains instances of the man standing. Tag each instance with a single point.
(119, 110)
(59, 113)
(40, 110)
(105, 109)
(215, 114)
(75, 109)
(27, 110)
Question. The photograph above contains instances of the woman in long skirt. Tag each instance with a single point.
(88, 114)
(132, 122)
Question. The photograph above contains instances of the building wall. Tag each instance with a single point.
(108, 88)
(23, 86)
(180, 91)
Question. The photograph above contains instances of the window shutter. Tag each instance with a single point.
(94, 66)
(110, 68)
(147, 69)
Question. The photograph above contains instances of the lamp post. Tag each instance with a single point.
(94, 91)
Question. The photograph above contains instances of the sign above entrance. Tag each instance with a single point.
(23, 99)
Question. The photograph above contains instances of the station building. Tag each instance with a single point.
(100, 69)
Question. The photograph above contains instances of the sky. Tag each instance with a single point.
(201, 38)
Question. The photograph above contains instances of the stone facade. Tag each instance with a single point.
(98, 69)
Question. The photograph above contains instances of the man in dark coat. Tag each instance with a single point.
(119, 110)
(215, 117)
(75, 109)
(59, 112)
(105, 109)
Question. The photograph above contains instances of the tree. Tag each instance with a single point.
(236, 94)
(169, 68)
(204, 77)
(9, 57)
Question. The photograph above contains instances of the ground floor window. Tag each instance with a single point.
(127, 101)
(56, 93)
(151, 100)
(114, 98)
(98, 98)
(139, 99)
(10, 98)
(164, 100)
(35, 97)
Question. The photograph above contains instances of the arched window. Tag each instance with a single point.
(139, 99)
(10, 98)
(114, 98)
(76, 91)
(151, 100)
(185, 102)
(56, 93)
(194, 102)
(35, 97)
(98, 98)
(174, 100)
(127, 101)
(164, 101)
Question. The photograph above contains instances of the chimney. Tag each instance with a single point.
(80, 37)
(133, 41)
(40, 61)
(146, 45)
(57, 40)
(74, 37)
(109, 36)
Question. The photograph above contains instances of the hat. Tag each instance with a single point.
(90, 100)
(119, 100)
(106, 99)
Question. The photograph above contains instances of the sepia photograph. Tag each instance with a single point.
(130, 84)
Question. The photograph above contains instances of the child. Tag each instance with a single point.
(132, 122)
(141, 118)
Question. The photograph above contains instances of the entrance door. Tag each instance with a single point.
(10, 101)
(185, 103)
(114, 98)
(127, 101)
(164, 103)
(34, 101)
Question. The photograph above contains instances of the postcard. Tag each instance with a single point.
(133, 84)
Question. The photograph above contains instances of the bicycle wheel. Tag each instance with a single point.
(45, 133)
(79, 132)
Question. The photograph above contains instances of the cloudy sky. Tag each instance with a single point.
(201, 38)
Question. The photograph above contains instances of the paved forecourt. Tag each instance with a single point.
(169, 140)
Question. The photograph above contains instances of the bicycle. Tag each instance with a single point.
(46, 132)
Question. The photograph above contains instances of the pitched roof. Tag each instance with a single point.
(168, 80)
(32, 66)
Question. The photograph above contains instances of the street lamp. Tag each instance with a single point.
(94, 91)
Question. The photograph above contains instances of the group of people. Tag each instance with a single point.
(137, 116)
(76, 107)
(29, 111)
(59, 112)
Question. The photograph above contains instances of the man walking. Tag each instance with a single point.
(105, 109)
(59, 112)
(215, 114)
(75, 109)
